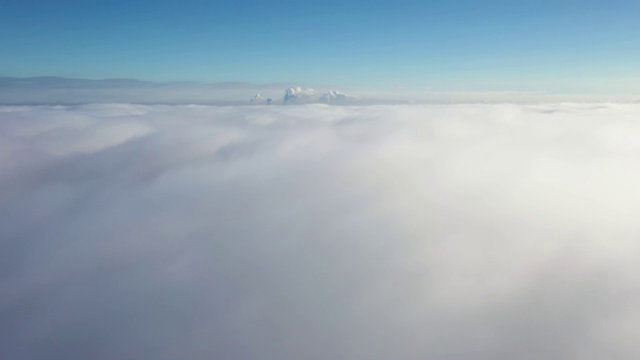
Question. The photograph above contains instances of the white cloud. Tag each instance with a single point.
(333, 96)
(322, 232)
(299, 94)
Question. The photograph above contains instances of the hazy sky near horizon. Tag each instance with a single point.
(555, 46)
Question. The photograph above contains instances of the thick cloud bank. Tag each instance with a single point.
(318, 232)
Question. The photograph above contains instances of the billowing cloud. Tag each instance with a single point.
(320, 232)
(299, 94)
(333, 96)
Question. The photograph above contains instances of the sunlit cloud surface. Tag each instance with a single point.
(320, 232)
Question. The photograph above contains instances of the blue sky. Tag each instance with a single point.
(560, 45)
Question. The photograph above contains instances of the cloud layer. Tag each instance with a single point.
(318, 232)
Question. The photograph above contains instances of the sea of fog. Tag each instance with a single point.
(406, 232)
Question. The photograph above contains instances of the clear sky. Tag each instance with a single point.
(552, 45)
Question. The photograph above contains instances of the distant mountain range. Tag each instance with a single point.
(70, 91)
(52, 82)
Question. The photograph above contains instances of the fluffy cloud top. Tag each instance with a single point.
(320, 232)
(333, 96)
(307, 95)
(297, 94)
